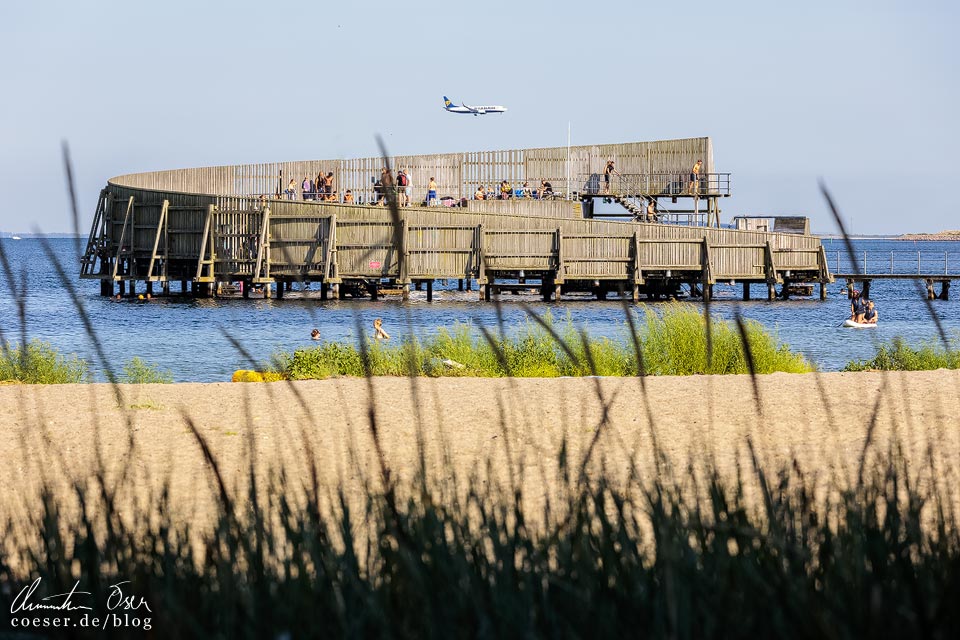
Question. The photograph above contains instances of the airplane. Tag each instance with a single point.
(477, 111)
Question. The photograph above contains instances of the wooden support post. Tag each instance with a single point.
(267, 290)
(771, 292)
(785, 290)
(106, 288)
(335, 291)
(746, 290)
(418, 285)
(850, 288)
(557, 288)
(460, 284)
(149, 287)
(183, 287)
(866, 290)
(469, 284)
(374, 289)
(324, 290)
(823, 291)
(165, 287)
(429, 290)
(405, 292)
(281, 286)
(122, 288)
(945, 290)
(245, 288)
(706, 271)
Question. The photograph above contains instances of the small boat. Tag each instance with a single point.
(859, 325)
(16, 238)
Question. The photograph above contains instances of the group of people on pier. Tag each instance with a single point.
(320, 188)
(506, 191)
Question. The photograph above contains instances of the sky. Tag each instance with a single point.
(860, 95)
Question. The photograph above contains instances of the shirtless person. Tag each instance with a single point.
(609, 169)
(695, 177)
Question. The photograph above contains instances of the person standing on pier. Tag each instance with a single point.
(307, 188)
(291, 191)
(431, 192)
(328, 183)
(695, 177)
(609, 169)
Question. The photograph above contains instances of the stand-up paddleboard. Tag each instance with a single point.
(859, 325)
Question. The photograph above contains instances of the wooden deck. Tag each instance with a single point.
(207, 226)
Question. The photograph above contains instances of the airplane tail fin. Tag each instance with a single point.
(447, 103)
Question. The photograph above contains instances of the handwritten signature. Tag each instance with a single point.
(116, 599)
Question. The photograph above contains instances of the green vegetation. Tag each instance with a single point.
(136, 371)
(879, 559)
(39, 363)
(899, 356)
(672, 343)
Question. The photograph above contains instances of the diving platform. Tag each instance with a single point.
(267, 226)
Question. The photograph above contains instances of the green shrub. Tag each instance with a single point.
(136, 371)
(40, 363)
(897, 355)
(673, 343)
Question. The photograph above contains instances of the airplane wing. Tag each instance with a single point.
(472, 110)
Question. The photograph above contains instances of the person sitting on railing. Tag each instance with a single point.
(525, 190)
(609, 169)
(480, 194)
(870, 315)
(505, 190)
(348, 197)
(652, 215)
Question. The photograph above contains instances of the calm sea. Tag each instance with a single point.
(189, 337)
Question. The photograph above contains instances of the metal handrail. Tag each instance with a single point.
(656, 184)
(893, 263)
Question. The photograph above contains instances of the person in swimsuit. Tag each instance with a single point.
(870, 315)
(431, 192)
(609, 169)
(694, 186)
(652, 211)
(380, 334)
(857, 307)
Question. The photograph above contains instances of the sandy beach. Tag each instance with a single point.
(493, 428)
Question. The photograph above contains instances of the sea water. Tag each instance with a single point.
(192, 337)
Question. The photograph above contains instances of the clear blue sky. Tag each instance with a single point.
(863, 94)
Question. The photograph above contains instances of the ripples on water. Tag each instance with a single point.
(187, 336)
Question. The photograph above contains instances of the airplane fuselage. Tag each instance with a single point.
(474, 110)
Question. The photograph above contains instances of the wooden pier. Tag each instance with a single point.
(210, 227)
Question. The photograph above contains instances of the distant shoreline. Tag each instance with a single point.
(941, 235)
